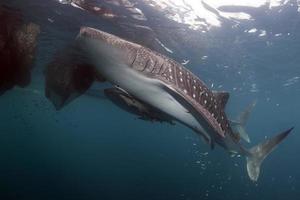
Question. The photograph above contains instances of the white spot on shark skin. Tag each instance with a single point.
(194, 96)
(185, 91)
(205, 102)
(181, 80)
(171, 77)
(170, 70)
(194, 87)
(180, 72)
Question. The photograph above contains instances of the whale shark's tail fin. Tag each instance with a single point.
(240, 123)
(258, 153)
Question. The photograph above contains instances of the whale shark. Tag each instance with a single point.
(150, 81)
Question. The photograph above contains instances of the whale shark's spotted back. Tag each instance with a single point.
(210, 104)
(152, 64)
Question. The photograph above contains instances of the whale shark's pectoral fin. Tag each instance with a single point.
(207, 140)
(68, 76)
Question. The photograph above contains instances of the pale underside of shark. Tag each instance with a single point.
(159, 83)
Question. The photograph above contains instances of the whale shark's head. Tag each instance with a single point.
(106, 47)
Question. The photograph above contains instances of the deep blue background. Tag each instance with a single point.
(93, 150)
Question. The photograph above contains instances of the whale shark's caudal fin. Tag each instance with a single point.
(258, 153)
(239, 124)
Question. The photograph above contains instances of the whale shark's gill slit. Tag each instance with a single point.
(133, 60)
(146, 65)
(161, 68)
(150, 65)
(175, 76)
(154, 67)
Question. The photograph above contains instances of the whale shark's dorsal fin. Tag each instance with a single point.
(222, 97)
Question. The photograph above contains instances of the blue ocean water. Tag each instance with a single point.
(91, 149)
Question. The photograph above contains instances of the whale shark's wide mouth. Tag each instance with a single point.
(93, 33)
(99, 35)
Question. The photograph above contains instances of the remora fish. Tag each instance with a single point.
(135, 106)
(172, 89)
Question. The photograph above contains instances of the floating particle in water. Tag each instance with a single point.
(204, 57)
(291, 81)
(204, 154)
(185, 62)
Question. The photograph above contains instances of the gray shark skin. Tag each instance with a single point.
(169, 87)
